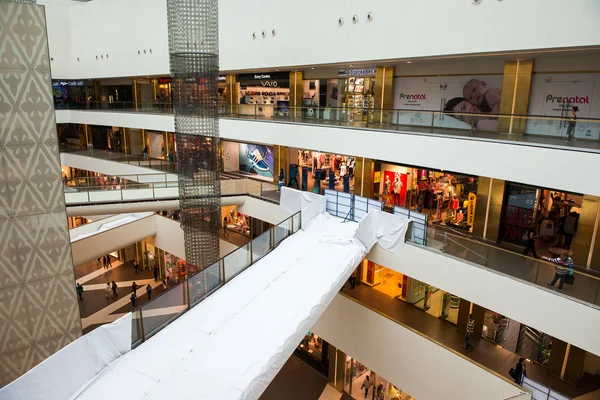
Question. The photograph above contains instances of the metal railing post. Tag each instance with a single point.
(222, 267)
(187, 287)
(142, 325)
(251, 254)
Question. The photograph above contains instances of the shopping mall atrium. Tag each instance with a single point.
(384, 200)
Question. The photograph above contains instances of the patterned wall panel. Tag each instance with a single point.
(39, 313)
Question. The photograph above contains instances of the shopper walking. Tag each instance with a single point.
(519, 371)
(469, 332)
(133, 297)
(366, 385)
(104, 262)
(136, 266)
(571, 125)
(149, 291)
(164, 284)
(108, 261)
(352, 278)
(98, 261)
(145, 152)
(114, 289)
(79, 290)
(155, 273)
(530, 242)
(134, 287)
(564, 268)
(570, 227)
(107, 290)
(225, 222)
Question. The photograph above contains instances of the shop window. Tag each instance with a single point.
(448, 199)
(312, 345)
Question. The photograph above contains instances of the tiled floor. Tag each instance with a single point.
(486, 353)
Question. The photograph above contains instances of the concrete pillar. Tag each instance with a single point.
(296, 93)
(384, 94)
(516, 85)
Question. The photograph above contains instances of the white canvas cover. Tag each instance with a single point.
(69, 370)
(232, 345)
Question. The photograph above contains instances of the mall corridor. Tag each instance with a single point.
(487, 354)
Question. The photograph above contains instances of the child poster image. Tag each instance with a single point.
(465, 95)
(394, 187)
(257, 159)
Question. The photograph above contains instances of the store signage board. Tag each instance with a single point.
(344, 73)
(68, 83)
(266, 79)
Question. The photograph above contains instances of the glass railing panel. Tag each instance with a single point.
(205, 282)
(136, 328)
(296, 222)
(236, 261)
(164, 308)
(282, 230)
(261, 245)
(585, 287)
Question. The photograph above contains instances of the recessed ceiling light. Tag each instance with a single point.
(351, 65)
(409, 62)
(313, 68)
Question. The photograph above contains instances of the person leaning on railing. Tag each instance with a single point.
(564, 268)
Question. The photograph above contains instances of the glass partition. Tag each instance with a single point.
(164, 308)
(204, 282)
(261, 245)
(296, 222)
(137, 336)
(282, 230)
(585, 287)
(236, 261)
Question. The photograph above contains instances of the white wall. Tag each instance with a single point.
(541, 308)
(231, 156)
(114, 168)
(400, 29)
(117, 28)
(90, 248)
(505, 160)
(263, 210)
(410, 361)
(136, 120)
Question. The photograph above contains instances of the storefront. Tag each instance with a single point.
(355, 376)
(432, 300)
(175, 268)
(554, 215)
(447, 198)
(315, 171)
(264, 94)
(313, 350)
(244, 159)
(69, 94)
(357, 86)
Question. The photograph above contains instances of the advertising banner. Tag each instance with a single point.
(554, 95)
(257, 159)
(461, 94)
(394, 185)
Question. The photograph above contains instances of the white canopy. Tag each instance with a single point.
(231, 345)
